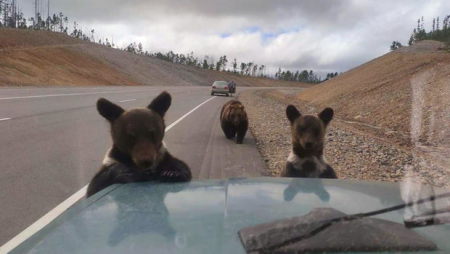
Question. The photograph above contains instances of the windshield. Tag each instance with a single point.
(96, 95)
(220, 83)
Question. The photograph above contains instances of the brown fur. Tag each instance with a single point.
(308, 138)
(234, 120)
(138, 153)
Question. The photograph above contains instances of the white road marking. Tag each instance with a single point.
(43, 221)
(188, 113)
(69, 94)
(55, 212)
(4, 119)
(128, 100)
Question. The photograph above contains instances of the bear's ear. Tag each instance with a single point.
(109, 110)
(326, 115)
(161, 103)
(292, 113)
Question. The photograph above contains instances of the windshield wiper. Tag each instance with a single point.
(269, 239)
(409, 204)
(429, 218)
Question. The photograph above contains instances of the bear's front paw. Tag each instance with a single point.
(174, 176)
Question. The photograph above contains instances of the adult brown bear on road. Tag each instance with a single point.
(234, 121)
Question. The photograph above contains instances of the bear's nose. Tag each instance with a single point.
(145, 164)
(308, 145)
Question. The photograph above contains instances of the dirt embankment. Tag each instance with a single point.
(401, 96)
(392, 117)
(42, 58)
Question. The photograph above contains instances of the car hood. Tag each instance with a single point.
(205, 216)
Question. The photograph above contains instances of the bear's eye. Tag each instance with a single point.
(316, 131)
(302, 128)
(152, 135)
(131, 136)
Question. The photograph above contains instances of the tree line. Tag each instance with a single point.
(438, 32)
(241, 68)
(11, 16)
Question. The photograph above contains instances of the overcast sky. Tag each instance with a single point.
(334, 35)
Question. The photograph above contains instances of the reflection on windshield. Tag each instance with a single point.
(296, 186)
(148, 215)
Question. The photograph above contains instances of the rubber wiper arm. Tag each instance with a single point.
(313, 228)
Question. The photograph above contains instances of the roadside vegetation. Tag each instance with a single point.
(438, 32)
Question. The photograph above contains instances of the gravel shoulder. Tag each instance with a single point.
(353, 153)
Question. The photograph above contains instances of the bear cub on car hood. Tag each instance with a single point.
(308, 139)
(138, 153)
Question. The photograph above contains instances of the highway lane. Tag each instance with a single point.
(16, 103)
(55, 140)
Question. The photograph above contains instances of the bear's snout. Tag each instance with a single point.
(145, 155)
(145, 164)
(309, 145)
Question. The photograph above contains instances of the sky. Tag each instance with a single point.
(324, 36)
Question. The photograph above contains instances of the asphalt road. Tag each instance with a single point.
(53, 140)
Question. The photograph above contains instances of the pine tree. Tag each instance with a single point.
(205, 64)
(261, 70)
(434, 25)
(421, 25)
(411, 40)
(249, 69)
(278, 74)
(219, 64)
(297, 73)
(224, 63)
(243, 68)
(61, 17)
(396, 45)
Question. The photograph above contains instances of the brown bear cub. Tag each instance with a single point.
(308, 138)
(234, 121)
(138, 153)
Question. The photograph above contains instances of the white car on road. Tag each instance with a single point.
(220, 87)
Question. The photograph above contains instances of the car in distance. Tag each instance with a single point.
(220, 87)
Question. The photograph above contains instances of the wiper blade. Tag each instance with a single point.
(402, 206)
(429, 218)
(286, 232)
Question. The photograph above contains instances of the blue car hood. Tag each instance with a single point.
(205, 216)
